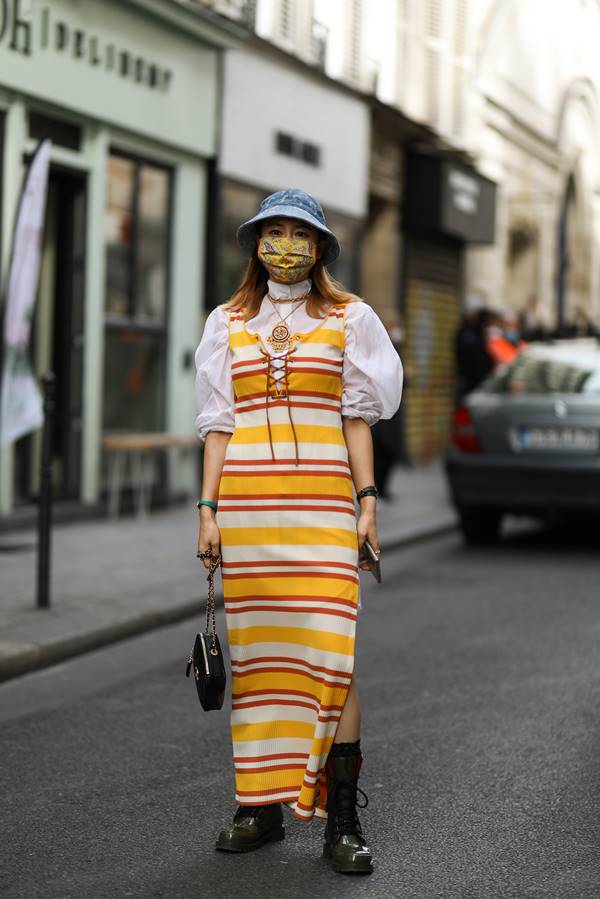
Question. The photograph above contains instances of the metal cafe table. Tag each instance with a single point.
(139, 452)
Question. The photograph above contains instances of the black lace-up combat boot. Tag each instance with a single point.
(345, 845)
(253, 826)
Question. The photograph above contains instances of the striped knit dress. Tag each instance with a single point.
(289, 563)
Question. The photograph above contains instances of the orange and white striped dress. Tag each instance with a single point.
(289, 564)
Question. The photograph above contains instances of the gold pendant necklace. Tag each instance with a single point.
(279, 338)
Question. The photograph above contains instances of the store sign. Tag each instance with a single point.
(468, 203)
(110, 60)
(27, 28)
(463, 192)
(20, 401)
(448, 197)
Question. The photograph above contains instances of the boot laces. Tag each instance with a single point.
(346, 804)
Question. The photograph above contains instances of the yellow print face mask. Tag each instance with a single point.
(287, 259)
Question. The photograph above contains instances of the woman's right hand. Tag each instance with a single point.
(209, 535)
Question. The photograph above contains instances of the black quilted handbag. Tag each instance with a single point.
(206, 658)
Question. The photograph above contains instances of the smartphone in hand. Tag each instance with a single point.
(367, 553)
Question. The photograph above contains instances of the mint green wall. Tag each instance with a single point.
(181, 112)
(96, 149)
(187, 302)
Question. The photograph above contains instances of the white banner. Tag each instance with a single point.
(21, 408)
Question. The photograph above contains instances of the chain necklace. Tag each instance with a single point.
(279, 339)
(289, 299)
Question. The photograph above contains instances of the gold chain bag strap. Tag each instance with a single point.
(206, 657)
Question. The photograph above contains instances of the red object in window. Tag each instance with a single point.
(134, 381)
(463, 432)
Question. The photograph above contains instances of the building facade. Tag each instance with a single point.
(534, 126)
(129, 94)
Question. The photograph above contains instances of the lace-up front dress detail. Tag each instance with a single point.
(290, 563)
(277, 379)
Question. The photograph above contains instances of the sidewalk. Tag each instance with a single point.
(111, 580)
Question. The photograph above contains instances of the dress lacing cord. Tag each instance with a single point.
(271, 381)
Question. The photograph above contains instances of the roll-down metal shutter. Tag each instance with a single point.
(432, 306)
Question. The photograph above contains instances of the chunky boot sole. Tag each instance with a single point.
(271, 836)
(359, 866)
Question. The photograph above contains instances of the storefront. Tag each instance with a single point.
(383, 239)
(266, 146)
(129, 94)
(447, 204)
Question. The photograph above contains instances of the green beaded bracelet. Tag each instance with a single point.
(207, 502)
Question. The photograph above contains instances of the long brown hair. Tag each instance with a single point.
(326, 292)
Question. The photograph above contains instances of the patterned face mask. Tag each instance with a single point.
(287, 259)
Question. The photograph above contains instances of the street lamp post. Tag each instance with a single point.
(45, 505)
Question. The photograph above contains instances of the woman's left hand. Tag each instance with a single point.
(366, 528)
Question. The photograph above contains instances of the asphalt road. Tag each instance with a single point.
(479, 677)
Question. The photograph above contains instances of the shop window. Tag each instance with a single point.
(150, 277)
(134, 381)
(137, 219)
(137, 254)
(119, 237)
(238, 202)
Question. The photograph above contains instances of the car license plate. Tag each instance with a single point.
(575, 439)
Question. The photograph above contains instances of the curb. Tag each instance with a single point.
(33, 657)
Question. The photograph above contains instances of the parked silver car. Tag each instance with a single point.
(527, 441)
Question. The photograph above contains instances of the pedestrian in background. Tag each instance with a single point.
(502, 338)
(473, 361)
(530, 322)
(291, 373)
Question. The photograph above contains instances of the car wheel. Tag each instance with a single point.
(480, 527)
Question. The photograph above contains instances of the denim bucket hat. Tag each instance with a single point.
(290, 203)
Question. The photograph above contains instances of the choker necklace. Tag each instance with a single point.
(302, 296)
(279, 339)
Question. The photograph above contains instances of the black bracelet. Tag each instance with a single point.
(371, 490)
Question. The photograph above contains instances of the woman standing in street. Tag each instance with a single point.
(290, 374)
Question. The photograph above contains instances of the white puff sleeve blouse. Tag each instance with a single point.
(371, 370)
(214, 387)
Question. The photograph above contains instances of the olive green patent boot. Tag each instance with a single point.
(345, 845)
(253, 826)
